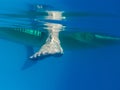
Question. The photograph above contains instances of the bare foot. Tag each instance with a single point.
(52, 46)
(48, 49)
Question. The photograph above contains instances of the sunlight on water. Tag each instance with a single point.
(37, 15)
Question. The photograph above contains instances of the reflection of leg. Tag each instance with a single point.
(52, 45)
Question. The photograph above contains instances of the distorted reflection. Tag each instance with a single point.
(54, 26)
(55, 15)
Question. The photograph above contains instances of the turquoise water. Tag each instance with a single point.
(86, 69)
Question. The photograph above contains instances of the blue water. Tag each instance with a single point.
(89, 69)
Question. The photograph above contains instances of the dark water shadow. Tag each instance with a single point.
(31, 62)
